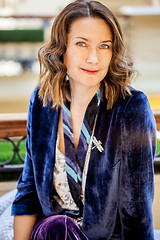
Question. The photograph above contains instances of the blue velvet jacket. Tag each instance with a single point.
(119, 185)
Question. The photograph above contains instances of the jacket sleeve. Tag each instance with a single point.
(136, 171)
(26, 201)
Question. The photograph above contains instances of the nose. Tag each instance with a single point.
(92, 57)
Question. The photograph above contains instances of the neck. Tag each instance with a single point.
(82, 95)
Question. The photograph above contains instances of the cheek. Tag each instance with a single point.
(69, 59)
(66, 59)
(106, 61)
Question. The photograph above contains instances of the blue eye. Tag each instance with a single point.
(82, 44)
(104, 46)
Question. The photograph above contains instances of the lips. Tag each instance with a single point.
(89, 71)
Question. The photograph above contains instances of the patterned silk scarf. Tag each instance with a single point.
(75, 162)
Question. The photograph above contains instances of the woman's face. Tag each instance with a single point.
(89, 51)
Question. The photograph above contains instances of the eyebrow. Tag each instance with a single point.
(85, 39)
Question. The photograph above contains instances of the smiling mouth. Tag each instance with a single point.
(90, 72)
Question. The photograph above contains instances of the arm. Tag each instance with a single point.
(23, 226)
(137, 173)
(26, 201)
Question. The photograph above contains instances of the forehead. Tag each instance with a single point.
(90, 27)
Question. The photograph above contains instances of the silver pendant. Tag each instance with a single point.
(97, 144)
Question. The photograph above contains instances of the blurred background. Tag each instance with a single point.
(26, 24)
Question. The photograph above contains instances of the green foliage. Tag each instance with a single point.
(6, 151)
(158, 146)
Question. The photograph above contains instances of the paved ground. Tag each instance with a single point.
(7, 186)
(156, 205)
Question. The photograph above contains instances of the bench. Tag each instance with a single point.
(157, 157)
(157, 117)
(13, 125)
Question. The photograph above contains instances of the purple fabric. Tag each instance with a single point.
(57, 227)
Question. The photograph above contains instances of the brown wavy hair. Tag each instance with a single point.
(52, 86)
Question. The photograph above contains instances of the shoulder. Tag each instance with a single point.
(34, 96)
(133, 105)
(37, 110)
(136, 99)
(34, 104)
(137, 103)
(137, 110)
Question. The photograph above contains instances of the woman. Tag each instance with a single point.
(91, 137)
